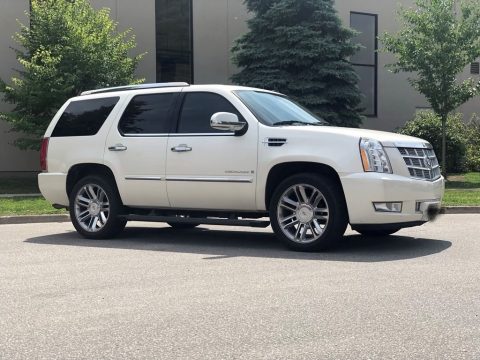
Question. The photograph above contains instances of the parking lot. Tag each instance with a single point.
(232, 293)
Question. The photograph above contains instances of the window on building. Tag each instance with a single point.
(147, 114)
(475, 68)
(84, 117)
(197, 110)
(365, 61)
(174, 44)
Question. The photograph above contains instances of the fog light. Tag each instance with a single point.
(391, 207)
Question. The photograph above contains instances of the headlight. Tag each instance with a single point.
(374, 157)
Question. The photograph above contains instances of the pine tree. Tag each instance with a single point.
(69, 47)
(300, 48)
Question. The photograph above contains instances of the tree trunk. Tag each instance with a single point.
(444, 145)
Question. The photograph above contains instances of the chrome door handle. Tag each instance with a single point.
(181, 148)
(117, 147)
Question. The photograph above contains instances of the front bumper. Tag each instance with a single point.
(421, 200)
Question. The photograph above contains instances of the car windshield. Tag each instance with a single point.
(277, 110)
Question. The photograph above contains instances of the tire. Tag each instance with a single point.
(182, 226)
(308, 212)
(95, 206)
(378, 233)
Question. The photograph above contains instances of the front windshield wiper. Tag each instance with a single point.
(296, 122)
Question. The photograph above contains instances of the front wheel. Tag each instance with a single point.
(308, 212)
(95, 207)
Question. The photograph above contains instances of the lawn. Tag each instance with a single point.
(27, 206)
(462, 190)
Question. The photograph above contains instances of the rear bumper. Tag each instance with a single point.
(53, 187)
(420, 200)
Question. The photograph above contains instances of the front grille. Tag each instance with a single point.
(421, 163)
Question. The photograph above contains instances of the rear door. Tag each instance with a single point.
(135, 149)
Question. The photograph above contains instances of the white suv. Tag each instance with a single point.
(230, 155)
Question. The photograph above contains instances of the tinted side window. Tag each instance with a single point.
(84, 117)
(147, 114)
(198, 109)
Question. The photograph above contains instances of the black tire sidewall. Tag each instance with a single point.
(338, 216)
(114, 224)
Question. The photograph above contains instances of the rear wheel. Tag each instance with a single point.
(308, 212)
(95, 207)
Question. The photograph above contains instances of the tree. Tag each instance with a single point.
(300, 48)
(438, 40)
(68, 47)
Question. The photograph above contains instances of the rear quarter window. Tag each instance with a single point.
(84, 117)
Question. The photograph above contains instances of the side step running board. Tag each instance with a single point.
(206, 221)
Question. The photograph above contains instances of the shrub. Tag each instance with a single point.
(473, 144)
(66, 48)
(427, 125)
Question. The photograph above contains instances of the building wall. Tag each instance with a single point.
(216, 25)
(11, 158)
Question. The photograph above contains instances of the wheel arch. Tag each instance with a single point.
(281, 171)
(79, 171)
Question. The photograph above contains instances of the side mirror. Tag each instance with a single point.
(227, 122)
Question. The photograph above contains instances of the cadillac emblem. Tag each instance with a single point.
(428, 162)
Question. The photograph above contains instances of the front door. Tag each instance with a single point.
(206, 168)
(135, 150)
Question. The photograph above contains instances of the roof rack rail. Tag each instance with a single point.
(135, 87)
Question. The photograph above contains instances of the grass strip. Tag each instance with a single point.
(27, 206)
(462, 190)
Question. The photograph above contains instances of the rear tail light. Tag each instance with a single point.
(43, 154)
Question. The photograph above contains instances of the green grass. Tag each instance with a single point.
(19, 186)
(462, 190)
(27, 206)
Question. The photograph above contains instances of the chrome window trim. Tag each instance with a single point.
(202, 134)
(144, 135)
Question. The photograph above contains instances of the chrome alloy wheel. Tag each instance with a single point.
(303, 213)
(92, 207)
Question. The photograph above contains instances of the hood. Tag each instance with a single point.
(388, 139)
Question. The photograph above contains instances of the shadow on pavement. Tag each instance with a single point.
(219, 244)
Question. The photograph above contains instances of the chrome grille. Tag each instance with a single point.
(421, 163)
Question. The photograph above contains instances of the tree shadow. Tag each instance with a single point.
(219, 244)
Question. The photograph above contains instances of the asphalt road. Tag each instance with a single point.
(223, 293)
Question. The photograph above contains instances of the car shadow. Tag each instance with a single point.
(220, 244)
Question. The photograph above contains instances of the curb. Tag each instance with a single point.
(33, 219)
(461, 210)
(12, 196)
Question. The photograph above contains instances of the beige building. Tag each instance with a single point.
(190, 40)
